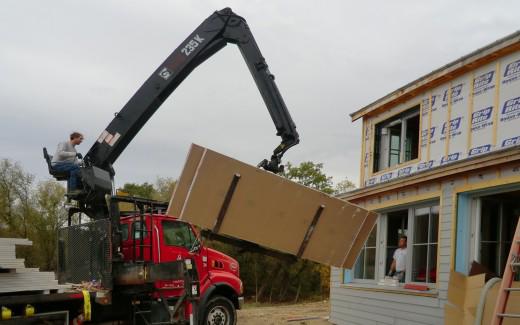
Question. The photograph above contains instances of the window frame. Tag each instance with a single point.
(125, 235)
(380, 148)
(380, 270)
(376, 266)
(133, 230)
(192, 238)
(476, 234)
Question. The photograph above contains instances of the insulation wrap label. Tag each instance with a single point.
(481, 119)
(511, 72)
(510, 110)
(479, 150)
(511, 142)
(483, 83)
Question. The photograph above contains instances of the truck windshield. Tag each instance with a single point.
(178, 234)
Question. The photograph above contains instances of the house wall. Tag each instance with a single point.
(364, 302)
(474, 114)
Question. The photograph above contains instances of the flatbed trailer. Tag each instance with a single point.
(43, 308)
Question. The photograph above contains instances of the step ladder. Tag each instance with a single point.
(512, 268)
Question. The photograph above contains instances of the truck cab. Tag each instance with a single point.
(162, 239)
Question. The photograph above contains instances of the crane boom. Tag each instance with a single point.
(219, 29)
(213, 34)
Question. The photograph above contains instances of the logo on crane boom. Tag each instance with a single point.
(192, 45)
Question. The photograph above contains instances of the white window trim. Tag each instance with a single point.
(381, 248)
(371, 281)
(384, 144)
(476, 221)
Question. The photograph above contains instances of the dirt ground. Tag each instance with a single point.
(285, 314)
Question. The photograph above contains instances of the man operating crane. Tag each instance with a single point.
(67, 159)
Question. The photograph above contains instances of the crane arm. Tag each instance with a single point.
(213, 34)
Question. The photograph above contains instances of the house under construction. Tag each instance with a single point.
(440, 164)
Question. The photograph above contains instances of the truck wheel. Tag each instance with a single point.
(219, 311)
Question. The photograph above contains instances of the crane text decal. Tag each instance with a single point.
(192, 45)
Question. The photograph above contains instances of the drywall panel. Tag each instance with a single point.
(269, 210)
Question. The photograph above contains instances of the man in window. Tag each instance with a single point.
(398, 267)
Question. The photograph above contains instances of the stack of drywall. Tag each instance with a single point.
(15, 277)
(241, 201)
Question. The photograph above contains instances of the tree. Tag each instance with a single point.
(164, 187)
(145, 190)
(309, 174)
(52, 214)
(15, 197)
(344, 186)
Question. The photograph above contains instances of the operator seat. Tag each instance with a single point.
(60, 176)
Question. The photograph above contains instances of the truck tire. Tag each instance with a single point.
(219, 311)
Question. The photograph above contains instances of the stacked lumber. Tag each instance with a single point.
(15, 277)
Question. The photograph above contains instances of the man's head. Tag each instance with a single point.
(402, 242)
(76, 138)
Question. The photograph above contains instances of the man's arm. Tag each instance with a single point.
(392, 267)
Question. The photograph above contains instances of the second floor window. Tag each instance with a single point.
(397, 140)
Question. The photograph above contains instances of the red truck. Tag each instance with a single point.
(146, 267)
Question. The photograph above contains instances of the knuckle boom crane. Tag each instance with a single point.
(219, 29)
(151, 265)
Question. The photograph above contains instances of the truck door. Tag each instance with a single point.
(177, 239)
(133, 246)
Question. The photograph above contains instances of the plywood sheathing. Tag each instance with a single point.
(269, 210)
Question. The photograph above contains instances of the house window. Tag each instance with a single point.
(498, 218)
(420, 224)
(397, 140)
(426, 228)
(397, 226)
(365, 267)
